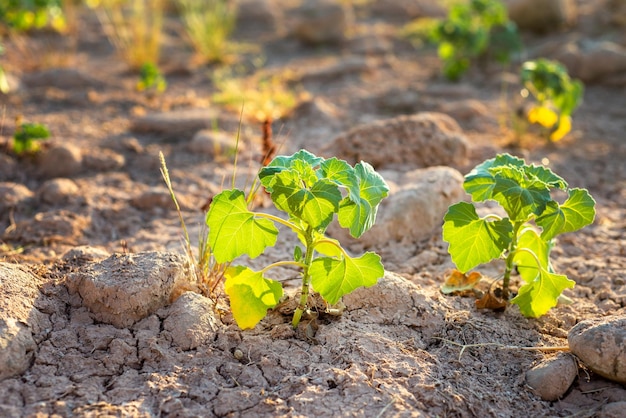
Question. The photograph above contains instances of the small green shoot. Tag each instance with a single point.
(23, 15)
(151, 79)
(311, 190)
(555, 93)
(4, 82)
(471, 30)
(525, 237)
(26, 135)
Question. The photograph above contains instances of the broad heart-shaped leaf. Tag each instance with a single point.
(343, 175)
(520, 198)
(539, 296)
(315, 205)
(526, 263)
(251, 295)
(234, 230)
(480, 181)
(334, 277)
(474, 240)
(303, 158)
(575, 213)
(359, 215)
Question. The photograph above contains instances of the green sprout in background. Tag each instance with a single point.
(26, 137)
(150, 78)
(555, 93)
(525, 237)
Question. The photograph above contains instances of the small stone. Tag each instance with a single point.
(600, 344)
(259, 16)
(155, 198)
(541, 15)
(191, 321)
(612, 410)
(104, 160)
(212, 143)
(62, 78)
(551, 378)
(61, 160)
(593, 61)
(58, 191)
(322, 21)
(17, 348)
(84, 254)
(13, 194)
(181, 124)
(124, 289)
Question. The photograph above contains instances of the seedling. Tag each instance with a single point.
(209, 25)
(472, 30)
(555, 93)
(26, 135)
(311, 191)
(150, 78)
(4, 82)
(27, 15)
(525, 237)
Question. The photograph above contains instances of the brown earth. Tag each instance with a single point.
(401, 348)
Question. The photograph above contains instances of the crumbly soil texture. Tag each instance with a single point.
(400, 348)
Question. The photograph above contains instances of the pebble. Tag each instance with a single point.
(61, 160)
(601, 345)
(551, 378)
(191, 321)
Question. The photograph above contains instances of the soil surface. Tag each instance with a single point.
(401, 348)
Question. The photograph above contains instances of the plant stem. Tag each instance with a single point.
(509, 261)
(306, 278)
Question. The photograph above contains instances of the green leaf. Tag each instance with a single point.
(526, 263)
(334, 277)
(520, 197)
(359, 214)
(343, 175)
(575, 213)
(480, 181)
(251, 295)
(315, 206)
(234, 230)
(302, 158)
(474, 240)
(539, 296)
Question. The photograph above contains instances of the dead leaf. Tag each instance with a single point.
(458, 282)
(490, 301)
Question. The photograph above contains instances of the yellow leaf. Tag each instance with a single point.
(565, 125)
(543, 116)
(457, 281)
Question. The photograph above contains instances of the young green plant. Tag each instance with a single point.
(151, 79)
(311, 190)
(471, 30)
(26, 135)
(555, 93)
(525, 237)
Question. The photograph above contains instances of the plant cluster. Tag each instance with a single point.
(471, 30)
(150, 78)
(34, 14)
(556, 96)
(209, 25)
(26, 135)
(311, 190)
(524, 238)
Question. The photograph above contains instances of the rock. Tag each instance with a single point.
(13, 195)
(104, 160)
(415, 141)
(601, 345)
(155, 198)
(124, 289)
(62, 78)
(181, 124)
(406, 10)
(45, 227)
(259, 16)
(214, 143)
(19, 318)
(612, 410)
(323, 22)
(58, 191)
(335, 69)
(464, 111)
(414, 210)
(551, 378)
(17, 348)
(8, 167)
(593, 61)
(541, 15)
(191, 321)
(61, 160)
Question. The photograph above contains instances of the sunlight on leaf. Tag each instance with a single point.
(575, 213)
(333, 277)
(538, 297)
(543, 116)
(251, 295)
